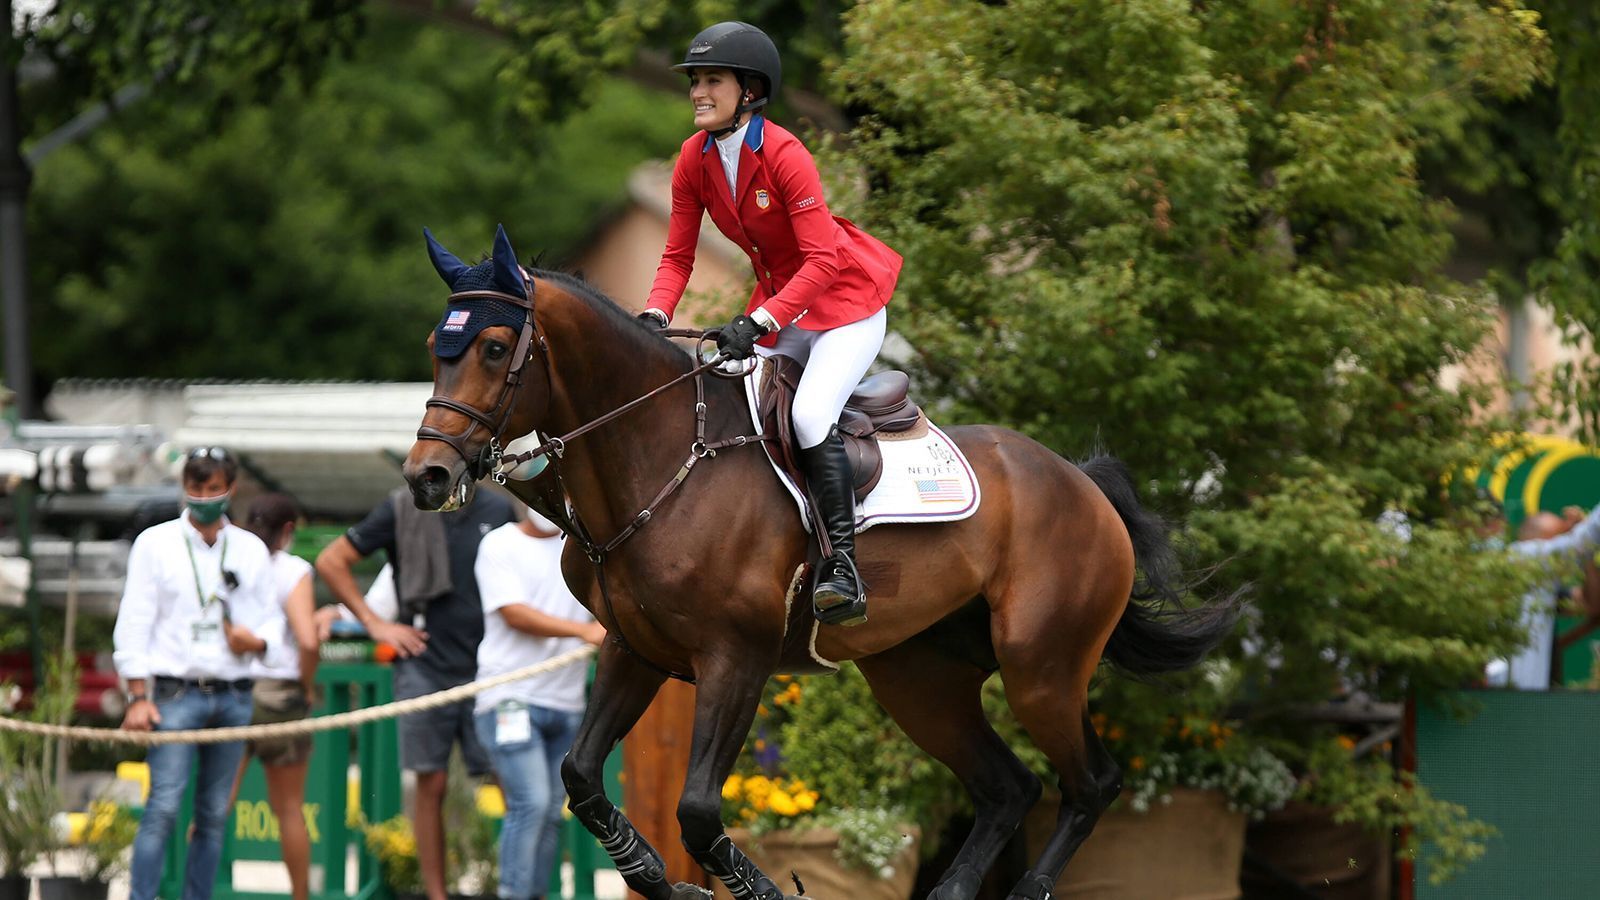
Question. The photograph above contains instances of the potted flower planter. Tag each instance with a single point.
(810, 854)
(1324, 858)
(1189, 849)
(14, 887)
(60, 888)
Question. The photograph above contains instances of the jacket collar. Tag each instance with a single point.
(752, 135)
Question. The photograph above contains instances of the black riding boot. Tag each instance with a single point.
(840, 597)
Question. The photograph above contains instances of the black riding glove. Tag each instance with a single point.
(737, 339)
(653, 318)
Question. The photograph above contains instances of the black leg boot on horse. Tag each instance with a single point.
(840, 597)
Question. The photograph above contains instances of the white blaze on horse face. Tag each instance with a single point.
(714, 94)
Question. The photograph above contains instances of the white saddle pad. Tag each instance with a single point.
(926, 477)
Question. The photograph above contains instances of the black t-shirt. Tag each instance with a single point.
(454, 621)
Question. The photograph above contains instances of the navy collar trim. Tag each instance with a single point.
(752, 135)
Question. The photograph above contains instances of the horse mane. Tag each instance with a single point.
(638, 335)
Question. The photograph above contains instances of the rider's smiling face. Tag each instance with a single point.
(714, 94)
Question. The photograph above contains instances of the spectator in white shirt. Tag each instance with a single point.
(1561, 543)
(285, 689)
(198, 591)
(528, 726)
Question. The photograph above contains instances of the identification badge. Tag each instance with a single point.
(208, 640)
(512, 724)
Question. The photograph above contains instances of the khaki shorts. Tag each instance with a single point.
(280, 700)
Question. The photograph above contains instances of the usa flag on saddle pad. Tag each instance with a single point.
(929, 489)
(457, 320)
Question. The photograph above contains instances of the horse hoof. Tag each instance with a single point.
(682, 891)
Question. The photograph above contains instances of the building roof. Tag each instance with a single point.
(336, 446)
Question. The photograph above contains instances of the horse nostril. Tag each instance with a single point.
(434, 477)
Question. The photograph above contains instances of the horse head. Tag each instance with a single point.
(487, 365)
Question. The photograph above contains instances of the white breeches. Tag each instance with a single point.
(835, 362)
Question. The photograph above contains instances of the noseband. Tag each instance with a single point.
(486, 460)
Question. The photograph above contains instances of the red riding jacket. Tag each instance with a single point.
(813, 269)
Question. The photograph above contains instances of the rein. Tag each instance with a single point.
(557, 446)
(493, 462)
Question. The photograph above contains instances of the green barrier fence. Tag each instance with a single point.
(1525, 763)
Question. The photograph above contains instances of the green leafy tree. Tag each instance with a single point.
(1198, 234)
(1521, 172)
(563, 47)
(76, 53)
(286, 241)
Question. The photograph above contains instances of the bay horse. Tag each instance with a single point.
(1036, 584)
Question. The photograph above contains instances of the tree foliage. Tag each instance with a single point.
(252, 48)
(1197, 234)
(563, 47)
(287, 243)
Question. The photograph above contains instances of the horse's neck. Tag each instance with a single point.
(614, 470)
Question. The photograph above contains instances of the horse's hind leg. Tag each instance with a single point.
(623, 689)
(1056, 717)
(937, 701)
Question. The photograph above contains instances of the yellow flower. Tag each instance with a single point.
(761, 710)
(1347, 742)
(1136, 764)
(732, 788)
(1115, 734)
(783, 804)
(757, 787)
(806, 801)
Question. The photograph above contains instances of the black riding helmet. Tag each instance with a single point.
(745, 50)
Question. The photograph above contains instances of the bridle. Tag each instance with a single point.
(494, 420)
(491, 459)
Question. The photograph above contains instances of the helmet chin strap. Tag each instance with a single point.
(750, 107)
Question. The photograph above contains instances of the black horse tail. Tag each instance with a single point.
(1157, 633)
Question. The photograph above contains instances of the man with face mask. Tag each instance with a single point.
(198, 590)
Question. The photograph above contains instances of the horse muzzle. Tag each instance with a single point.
(436, 486)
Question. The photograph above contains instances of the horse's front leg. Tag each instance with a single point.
(727, 693)
(623, 689)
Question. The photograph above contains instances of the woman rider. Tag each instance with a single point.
(821, 282)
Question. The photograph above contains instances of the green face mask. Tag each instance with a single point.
(205, 510)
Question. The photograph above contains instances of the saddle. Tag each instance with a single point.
(879, 405)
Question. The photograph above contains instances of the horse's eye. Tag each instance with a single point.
(494, 350)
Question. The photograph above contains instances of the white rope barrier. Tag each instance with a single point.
(291, 729)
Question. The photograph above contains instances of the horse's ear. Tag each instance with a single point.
(444, 261)
(507, 274)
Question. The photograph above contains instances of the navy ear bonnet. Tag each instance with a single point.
(464, 319)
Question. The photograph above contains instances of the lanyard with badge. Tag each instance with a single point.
(206, 635)
(513, 723)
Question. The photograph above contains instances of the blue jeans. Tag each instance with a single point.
(530, 777)
(170, 766)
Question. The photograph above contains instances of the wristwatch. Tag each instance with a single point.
(131, 698)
